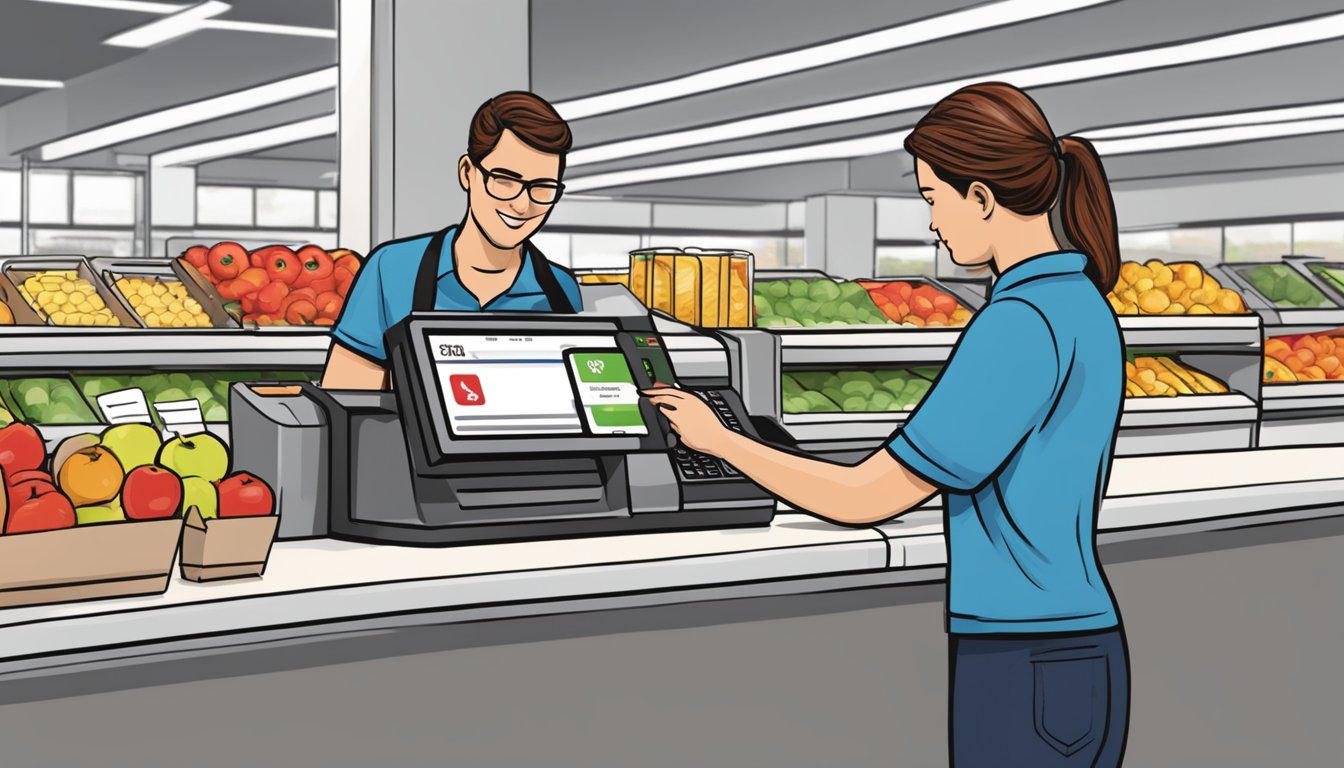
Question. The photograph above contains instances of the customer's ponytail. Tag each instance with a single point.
(1088, 212)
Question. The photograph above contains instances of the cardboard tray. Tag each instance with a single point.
(23, 313)
(226, 548)
(88, 562)
(111, 269)
(197, 282)
(19, 268)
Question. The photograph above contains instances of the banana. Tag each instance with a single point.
(1134, 390)
(1211, 385)
(1277, 373)
(1181, 373)
(1174, 381)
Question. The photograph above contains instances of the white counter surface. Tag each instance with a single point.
(318, 586)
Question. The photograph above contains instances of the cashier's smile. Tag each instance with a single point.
(513, 222)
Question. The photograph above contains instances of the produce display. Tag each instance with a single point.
(162, 303)
(1332, 276)
(1155, 288)
(705, 288)
(815, 303)
(49, 400)
(209, 388)
(917, 304)
(64, 297)
(1283, 286)
(126, 473)
(1165, 377)
(275, 285)
(854, 391)
(1309, 357)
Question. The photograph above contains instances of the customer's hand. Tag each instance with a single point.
(691, 418)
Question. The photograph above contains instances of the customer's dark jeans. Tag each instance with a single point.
(1040, 701)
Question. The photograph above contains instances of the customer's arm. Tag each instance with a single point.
(348, 370)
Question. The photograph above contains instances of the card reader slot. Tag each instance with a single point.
(539, 497)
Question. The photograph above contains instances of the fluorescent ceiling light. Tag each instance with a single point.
(190, 114)
(892, 38)
(833, 150)
(20, 82)
(122, 5)
(874, 145)
(270, 29)
(1244, 43)
(248, 142)
(1224, 135)
(169, 27)
(1280, 115)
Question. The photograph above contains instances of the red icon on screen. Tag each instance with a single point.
(467, 389)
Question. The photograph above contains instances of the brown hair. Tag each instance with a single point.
(531, 118)
(996, 134)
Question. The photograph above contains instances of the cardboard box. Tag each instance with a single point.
(18, 306)
(227, 547)
(88, 562)
(19, 268)
(111, 269)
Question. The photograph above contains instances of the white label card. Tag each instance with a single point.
(180, 417)
(125, 406)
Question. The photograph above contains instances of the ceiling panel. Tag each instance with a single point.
(314, 150)
(256, 120)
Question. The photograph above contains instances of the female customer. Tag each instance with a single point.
(1017, 433)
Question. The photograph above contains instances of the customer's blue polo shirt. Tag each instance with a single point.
(383, 292)
(1018, 431)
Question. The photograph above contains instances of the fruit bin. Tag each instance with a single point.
(1287, 294)
(1179, 402)
(148, 273)
(1303, 403)
(706, 288)
(63, 276)
(603, 276)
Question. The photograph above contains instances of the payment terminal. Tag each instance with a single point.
(518, 425)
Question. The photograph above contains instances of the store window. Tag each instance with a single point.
(224, 205)
(326, 209)
(1319, 238)
(906, 260)
(88, 242)
(1204, 245)
(603, 251)
(11, 187)
(104, 198)
(11, 241)
(49, 197)
(1260, 242)
(279, 207)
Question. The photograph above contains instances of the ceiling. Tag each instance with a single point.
(585, 47)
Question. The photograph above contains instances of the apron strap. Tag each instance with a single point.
(545, 275)
(427, 278)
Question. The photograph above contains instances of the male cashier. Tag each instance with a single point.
(511, 172)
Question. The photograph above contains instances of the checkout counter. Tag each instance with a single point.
(499, 427)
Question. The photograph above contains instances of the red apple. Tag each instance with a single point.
(151, 493)
(33, 511)
(23, 476)
(29, 482)
(245, 495)
(21, 448)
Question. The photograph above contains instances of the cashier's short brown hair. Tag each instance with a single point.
(531, 118)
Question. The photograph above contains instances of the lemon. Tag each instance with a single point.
(1154, 302)
(1144, 284)
(58, 318)
(1200, 309)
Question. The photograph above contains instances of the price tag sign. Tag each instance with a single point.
(125, 406)
(180, 417)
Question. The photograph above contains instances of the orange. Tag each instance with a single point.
(1328, 363)
(1314, 373)
(1306, 356)
(1294, 363)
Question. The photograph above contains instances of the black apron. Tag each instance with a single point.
(427, 278)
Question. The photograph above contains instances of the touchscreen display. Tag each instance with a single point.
(514, 385)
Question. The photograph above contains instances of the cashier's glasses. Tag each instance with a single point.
(502, 186)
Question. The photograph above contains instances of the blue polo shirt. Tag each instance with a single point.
(383, 292)
(1018, 431)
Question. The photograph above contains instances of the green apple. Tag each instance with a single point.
(200, 493)
(99, 513)
(199, 455)
(134, 445)
(170, 395)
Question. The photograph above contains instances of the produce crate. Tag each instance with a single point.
(1329, 275)
(226, 548)
(88, 562)
(50, 401)
(114, 270)
(23, 312)
(950, 308)
(19, 268)
(710, 289)
(1286, 293)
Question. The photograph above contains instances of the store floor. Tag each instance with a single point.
(1235, 640)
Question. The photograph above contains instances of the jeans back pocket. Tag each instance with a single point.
(1071, 697)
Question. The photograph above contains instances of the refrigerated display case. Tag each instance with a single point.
(1302, 403)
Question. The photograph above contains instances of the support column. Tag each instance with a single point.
(840, 232)
(413, 73)
(171, 192)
